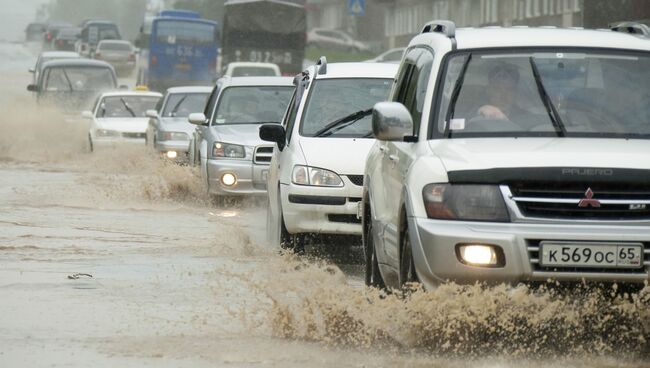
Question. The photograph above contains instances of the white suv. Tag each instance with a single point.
(512, 155)
(316, 172)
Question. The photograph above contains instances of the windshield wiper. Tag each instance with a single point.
(65, 74)
(128, 108)
(556, 120)
(178, 104)
(341, 123)
(454, 96)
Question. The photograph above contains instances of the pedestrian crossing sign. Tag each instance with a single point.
(357, 8)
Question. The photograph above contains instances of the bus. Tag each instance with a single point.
(182, 50)
(268, 31)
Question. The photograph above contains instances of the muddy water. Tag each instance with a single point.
(178, 282)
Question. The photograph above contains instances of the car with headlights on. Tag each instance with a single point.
(169, 132)
(316, 172)
(119, 118)
(233, 160)
(512, 155)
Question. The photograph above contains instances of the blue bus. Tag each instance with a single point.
(182, 51)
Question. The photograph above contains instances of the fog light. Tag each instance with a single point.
(228, 179)
(478, 255)
(172, 154)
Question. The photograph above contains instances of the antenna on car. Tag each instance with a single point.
(322, 65)
(446, 27)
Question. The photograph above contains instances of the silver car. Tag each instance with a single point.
(169, 131)
(232, 157)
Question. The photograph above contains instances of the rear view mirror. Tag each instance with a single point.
(273, 133)
(151, 114)
(87, 115)
(32, 88)
(391, 121)
(197, 118)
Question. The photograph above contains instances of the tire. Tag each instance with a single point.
(286, 240)
(372, 274)
(407, 275)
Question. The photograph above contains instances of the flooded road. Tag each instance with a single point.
(119, 259)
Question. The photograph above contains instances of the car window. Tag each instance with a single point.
(413, 87)
(334, 99)
(183, 104)
(116, 46)
(547, 93)
(125, 106)
(253, 71)
(254, 104)
(72, 78)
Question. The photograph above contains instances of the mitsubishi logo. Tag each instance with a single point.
(588, 200)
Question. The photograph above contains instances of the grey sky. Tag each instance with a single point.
(14, 17)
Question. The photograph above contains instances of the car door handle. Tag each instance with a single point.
(382, 149)
(393, 158)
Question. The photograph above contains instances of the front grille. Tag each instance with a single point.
(348, 219)
(555, 200)
(356, 179)
(263, 154)
(134, 135)
(534, 257)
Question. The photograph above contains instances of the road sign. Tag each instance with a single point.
(357, 8)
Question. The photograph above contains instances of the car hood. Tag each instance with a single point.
(131, 125)
(494, 153)
(243, 134)
(346, 156)
(177, 125)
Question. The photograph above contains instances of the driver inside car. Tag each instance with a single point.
(503, 80)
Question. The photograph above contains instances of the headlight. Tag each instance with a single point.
(175, 136)
(106, 133)
(464, 202)
(221, 149)
(305, 175)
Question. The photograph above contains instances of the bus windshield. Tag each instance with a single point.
(188, 32)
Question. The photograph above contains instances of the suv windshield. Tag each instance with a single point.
(332, 101)
(579, 93)
(249, 105)
(74, 79)
(181, 105)
(126, 106)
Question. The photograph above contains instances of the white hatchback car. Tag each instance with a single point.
(316, 172)
(120, 117)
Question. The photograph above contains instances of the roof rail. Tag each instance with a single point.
(631, 28)
(321, 65)
(446, 27)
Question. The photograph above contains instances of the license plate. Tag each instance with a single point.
(183, 66)
(608, 255)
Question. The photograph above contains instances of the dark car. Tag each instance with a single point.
(66, 38)
(34, 31)
(94, 31)
(51, 31)
(72, 83)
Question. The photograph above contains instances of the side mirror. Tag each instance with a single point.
(197, 118)
(32, 88)
(87, 114)
(274, 133)
(151, 114)
(32, 70)
(391, 121)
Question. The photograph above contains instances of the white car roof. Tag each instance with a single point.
(235, 64)
(190, 89)
(59, 54)
(498, 37)
(130, 93)
(256, 81)
(356, 70)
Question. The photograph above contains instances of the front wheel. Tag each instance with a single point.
(407, 275)
(372, 274)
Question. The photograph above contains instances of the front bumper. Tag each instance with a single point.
(434, 251)
(116, 142)
(322, 210)
(251, 178)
